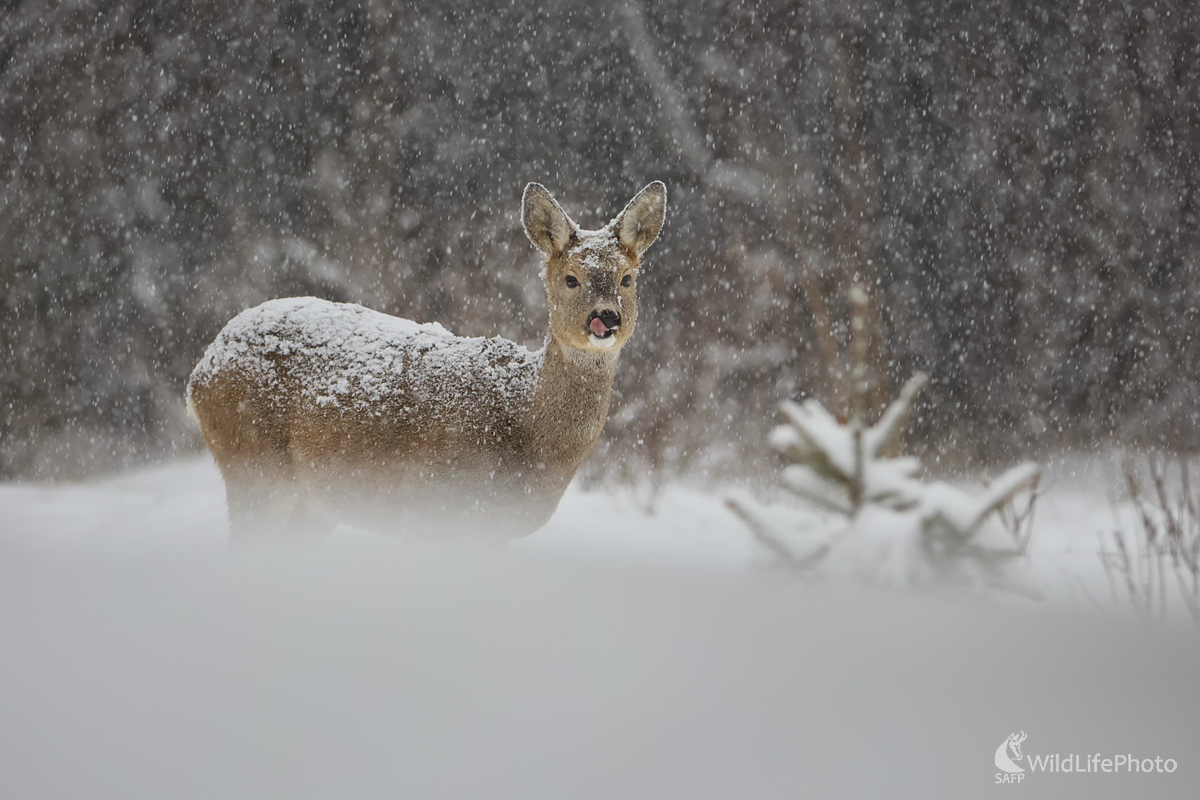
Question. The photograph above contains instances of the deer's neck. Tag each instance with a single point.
(570, 403)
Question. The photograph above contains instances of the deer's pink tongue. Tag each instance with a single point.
(597, 327)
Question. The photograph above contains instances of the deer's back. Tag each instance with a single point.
(342, 390)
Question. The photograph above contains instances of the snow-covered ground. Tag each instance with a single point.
(615, 653)
(182, 504)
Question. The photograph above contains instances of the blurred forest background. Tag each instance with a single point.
(1014, 183)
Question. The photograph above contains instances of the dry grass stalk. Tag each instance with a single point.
(1164, 545)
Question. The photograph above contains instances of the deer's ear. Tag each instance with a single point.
(546, 224)
(639, 224)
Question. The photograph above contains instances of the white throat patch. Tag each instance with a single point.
(602, 344)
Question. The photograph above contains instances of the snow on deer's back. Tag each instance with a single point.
(319, 412)
(347, 355)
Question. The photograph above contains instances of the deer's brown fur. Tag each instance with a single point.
(319, 413)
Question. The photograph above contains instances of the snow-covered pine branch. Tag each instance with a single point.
(890, 526)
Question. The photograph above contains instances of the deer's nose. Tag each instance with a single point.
(603, 323)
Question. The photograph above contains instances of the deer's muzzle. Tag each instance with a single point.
(603, 323)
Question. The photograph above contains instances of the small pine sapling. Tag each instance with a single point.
(895, 527)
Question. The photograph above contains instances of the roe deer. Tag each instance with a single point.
(319, 412)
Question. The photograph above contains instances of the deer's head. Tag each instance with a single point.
(591, 276)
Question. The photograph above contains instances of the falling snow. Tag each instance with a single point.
(1014, 183)
(1001, 195)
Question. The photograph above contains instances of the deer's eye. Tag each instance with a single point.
(572, 282)
(627, 280)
